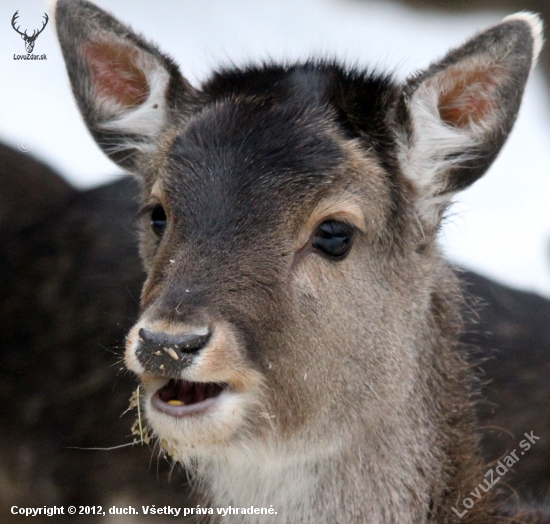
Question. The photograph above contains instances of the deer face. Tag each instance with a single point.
(289, 226)
(255, 219)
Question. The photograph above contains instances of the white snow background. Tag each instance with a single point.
(500, 227)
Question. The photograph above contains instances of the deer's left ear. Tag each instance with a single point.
(455, 117)
(125, 87)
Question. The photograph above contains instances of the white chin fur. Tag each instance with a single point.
(192, 435)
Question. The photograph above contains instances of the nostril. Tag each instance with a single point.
(191, 342)
(174, 344)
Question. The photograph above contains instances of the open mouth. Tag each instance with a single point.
(179, 398)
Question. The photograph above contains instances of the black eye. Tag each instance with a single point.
(333, 238)
(158, 220)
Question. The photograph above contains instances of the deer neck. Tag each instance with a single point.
(362, 481)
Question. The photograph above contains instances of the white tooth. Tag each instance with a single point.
(172, 353)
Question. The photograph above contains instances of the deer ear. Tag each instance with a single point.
(125, 88)
(455, 116)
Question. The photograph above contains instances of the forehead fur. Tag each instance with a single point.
(274, 134)
(360, 101)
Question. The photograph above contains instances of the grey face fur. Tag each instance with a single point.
(297, 337)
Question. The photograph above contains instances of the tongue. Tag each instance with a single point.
(185, 392)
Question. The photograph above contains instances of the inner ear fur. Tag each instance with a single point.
(118, 76)
(456, 115)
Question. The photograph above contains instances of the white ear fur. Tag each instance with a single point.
(147, 116)
(433, 151)
(146, 119)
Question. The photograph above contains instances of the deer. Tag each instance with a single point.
(297, 347)
(29, 40)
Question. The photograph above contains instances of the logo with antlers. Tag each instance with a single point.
(29, 39)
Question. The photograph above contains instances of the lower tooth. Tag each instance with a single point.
(176, 403)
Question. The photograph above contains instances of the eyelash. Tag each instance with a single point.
(146, 209)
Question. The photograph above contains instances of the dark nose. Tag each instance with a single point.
(167, 355)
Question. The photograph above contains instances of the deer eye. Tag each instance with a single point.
(158, 220)
(333, 238)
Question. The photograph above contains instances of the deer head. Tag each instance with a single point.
(29, 40)
(297, 342)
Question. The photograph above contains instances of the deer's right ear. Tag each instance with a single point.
(125, 87)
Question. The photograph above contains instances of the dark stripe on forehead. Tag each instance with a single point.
(256, 147)
(360, 103)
